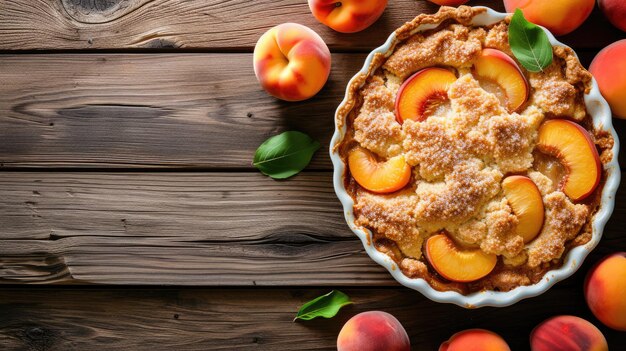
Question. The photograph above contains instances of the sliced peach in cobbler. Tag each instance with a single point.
(527, 204)
(378, 176)
(421, 94)
(457, 264)
(572, 146)
(497, 67)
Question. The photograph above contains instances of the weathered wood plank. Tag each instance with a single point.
(171, 228)
(190, 110)
(188, 229)
(252, 319)
(118, 24)
(174, 261)
(201, 207)
(213, 25)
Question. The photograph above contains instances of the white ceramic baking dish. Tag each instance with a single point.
(601, 115)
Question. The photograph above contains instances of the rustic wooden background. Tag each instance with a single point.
(131, 217)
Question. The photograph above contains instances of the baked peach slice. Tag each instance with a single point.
(527, 204)
(497, 67)
(572, 146)
(379, 177)
(421, 94)
(456, 264)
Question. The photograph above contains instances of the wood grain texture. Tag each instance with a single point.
(208, 25)
(144, 110)
(177, 228)
(189, 229)
(253, 319)
(205, 207)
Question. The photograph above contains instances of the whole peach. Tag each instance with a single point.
(373, 331)
(609, 69)
(347, 16)
(567, 333)
(605, 291)
(475, 340)
(291, 62)
(615, 11)
(559, 16)
(449, 2)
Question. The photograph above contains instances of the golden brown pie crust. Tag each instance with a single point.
(460, 156)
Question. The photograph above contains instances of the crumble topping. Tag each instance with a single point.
(375, 127)
(389, 214)
(498, 37)
(430, 146)
(459, 197)
(454, 46)
(461, 153)
(558, 90)
(471, 104)
(562, 223)
(493, 230)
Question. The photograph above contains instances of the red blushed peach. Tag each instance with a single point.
(449, 2)
(609, 69)
(475, 340)
(373, 331)
(559, 16)
(347, 16)
(615, 11)
(605, 291)
(291, 62)
(567, 333)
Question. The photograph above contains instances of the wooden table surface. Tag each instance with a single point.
(131, 217)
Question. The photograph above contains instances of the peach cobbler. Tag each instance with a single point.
(468, 170)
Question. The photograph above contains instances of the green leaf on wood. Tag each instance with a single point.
(529, 43)
(284, 155)
(325, 306)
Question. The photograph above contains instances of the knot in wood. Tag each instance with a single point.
(97, 11)
(35, 333)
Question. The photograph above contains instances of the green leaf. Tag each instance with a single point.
(325, 306)
(529, 43)
(284, 155)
